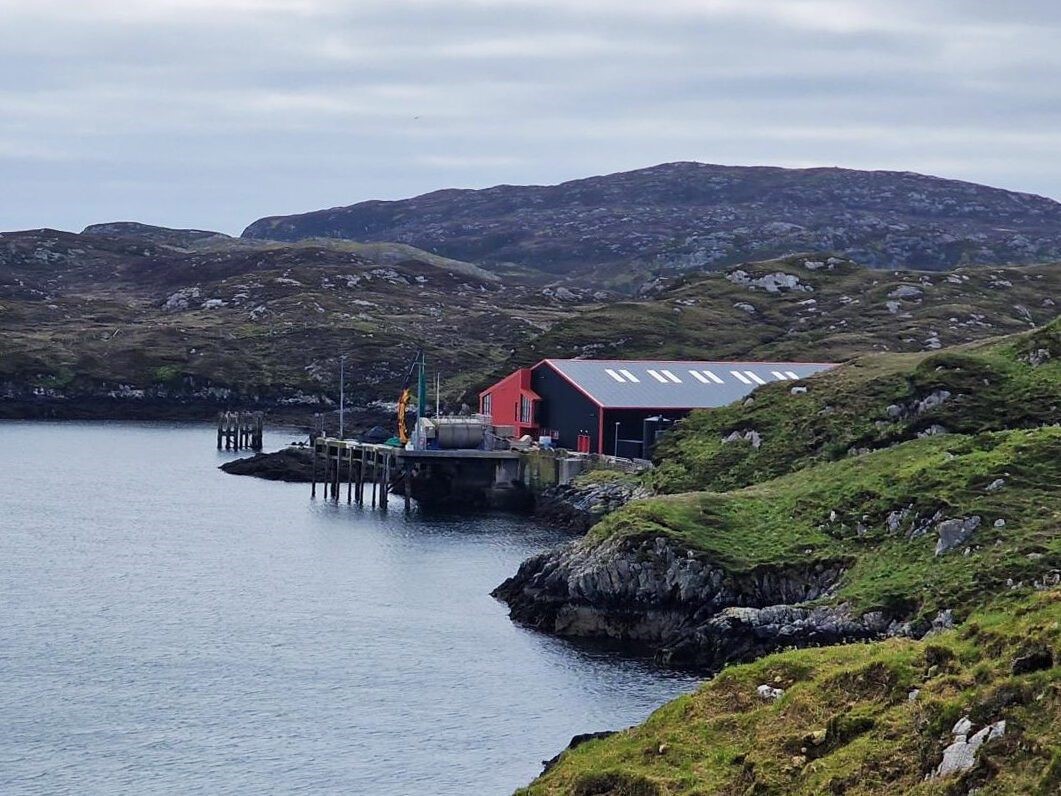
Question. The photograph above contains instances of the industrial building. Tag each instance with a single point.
(619, 406)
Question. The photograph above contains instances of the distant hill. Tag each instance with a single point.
(619, 227)
(161, 235)
(806, 307)
(197, 240)
(124, 324)
(127, 325)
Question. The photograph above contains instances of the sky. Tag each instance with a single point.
(213, 113)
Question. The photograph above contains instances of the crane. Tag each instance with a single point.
(406, 394)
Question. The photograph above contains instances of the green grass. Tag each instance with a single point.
(992, 385)
(846, 723)
(839, 511)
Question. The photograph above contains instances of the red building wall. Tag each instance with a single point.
(503, 402)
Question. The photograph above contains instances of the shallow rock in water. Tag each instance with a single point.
(290, 464)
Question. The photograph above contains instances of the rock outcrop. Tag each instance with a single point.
(689, 609)
(580, 505)
(289, 464)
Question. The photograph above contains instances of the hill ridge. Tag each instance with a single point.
(687, 215)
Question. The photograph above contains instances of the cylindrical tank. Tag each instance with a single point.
(458, 432)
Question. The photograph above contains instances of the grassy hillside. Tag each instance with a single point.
(858, 719)
(957, 535)
(879, 515)
(870, 403)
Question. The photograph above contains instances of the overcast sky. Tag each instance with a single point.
(212, 113)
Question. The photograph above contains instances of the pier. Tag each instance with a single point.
(371, 473)
(240, 430)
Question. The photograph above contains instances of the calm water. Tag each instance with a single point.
(167, 628)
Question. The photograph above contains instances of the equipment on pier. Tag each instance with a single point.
(449, 433)
(419, 364)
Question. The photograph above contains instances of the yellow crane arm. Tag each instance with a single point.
(403, 405)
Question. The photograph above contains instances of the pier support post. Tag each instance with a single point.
(313, 476)
(384, 495)
(335, 476)
(407, 484)
(360, 494)
(349, 475)
(375, 475)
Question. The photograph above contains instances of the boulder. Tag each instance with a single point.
(955, 532)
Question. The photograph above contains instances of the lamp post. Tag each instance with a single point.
(342, 392)
(616, 453)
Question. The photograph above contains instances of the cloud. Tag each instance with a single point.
(210, 113)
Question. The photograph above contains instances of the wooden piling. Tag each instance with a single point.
(349, 475)
(313, 489)
(335, 483)
(375, 475)
(384, 495)
(407, 485)
(381, 480)
(361, 479)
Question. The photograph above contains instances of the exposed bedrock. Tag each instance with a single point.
(580, 506)
(655, 592)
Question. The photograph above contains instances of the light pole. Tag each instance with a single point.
(342, 392)
(616, 439)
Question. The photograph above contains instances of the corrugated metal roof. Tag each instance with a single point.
(645, 384)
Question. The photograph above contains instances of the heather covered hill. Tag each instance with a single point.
(149, 318)
(692, 215)
(807, 307)
(121, 325)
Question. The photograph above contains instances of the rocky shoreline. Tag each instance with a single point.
(691, 611)
(292, 464)
(580, 505)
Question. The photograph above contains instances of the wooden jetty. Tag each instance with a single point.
(431, 477)
(240, 430)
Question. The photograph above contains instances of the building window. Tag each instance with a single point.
(526, 410)
(487, 404)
